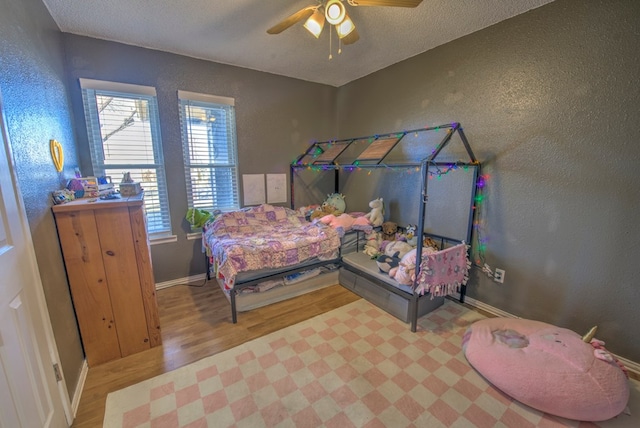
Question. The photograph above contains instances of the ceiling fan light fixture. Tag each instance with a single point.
(335, 12)
(345, 27)
(315, 23)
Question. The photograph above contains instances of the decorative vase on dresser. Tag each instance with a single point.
(108, 261)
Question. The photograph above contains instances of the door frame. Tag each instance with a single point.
(36, 286)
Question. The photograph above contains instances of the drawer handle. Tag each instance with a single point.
(110, 253)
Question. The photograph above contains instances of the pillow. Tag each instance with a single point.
(547, 367)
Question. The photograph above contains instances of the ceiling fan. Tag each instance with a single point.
(335, 13)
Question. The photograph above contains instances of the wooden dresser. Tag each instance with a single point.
(108, 261)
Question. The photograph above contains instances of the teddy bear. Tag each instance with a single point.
(389, 229)
(376, 215)
(322, 211)
(428, 242)
(334, 204)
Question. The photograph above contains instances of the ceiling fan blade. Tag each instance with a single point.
(391, 3)
(351, 38)
(293, 19)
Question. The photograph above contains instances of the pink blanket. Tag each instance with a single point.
(441, 273)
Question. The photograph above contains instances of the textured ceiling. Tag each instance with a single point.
(234, 31)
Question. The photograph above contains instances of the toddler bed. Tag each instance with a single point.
(265, 243)
(439, 274)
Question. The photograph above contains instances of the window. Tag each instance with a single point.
(210, 151)
(124, 136)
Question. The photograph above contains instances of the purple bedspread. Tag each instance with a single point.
(266, 237)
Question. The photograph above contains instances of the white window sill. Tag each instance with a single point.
(162, 238)
(193, 236)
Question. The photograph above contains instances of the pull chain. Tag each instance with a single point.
(330, 47)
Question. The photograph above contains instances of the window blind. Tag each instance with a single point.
(210, 151)
(124, 136)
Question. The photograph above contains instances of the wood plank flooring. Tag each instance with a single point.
(196, 323)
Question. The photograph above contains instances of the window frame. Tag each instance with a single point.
(230, 168)
(90, 90)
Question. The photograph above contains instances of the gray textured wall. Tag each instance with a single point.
(37, 109)
(276, 118)
(549, 102)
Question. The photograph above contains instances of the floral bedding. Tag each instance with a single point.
(265, 236)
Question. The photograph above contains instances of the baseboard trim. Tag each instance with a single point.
(181, 281)
(632, 366)
(75, 402)
(487, 308)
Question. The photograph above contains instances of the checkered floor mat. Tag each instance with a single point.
(355, 366)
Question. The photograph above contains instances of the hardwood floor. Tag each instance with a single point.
(196, 323)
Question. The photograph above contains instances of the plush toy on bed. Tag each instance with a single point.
(345, 221)
(405, 272)
(376, 215)
(428, 242)
(389, 229)
(334, 204)
(395, 248)
(308, 210)
(392, 254)
(321, 211)
(336, 200)
(410, 234)
(372, 246)
(386, 263)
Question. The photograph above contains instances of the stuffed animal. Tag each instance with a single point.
(395, 248)
(428, 242)
(386, 263)
(376, 215)
(405, 272)
(308, 210)
(336, 201)
(410, 234)
(389, 229)
(198, 217)
(372, 246)
(322, 211)
(345, 221)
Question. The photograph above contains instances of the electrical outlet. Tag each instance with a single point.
(498, 275)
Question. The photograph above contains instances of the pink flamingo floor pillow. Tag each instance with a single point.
(549, 368)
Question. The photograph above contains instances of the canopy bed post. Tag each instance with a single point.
(424, 170)
(291, 185)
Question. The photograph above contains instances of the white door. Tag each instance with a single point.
(29, 395)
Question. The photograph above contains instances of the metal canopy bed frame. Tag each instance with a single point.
(325, 155)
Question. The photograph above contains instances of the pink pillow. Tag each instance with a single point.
(546, 367)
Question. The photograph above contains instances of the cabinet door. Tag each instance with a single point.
(145, 268)
(119, 256)
(83, 259)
